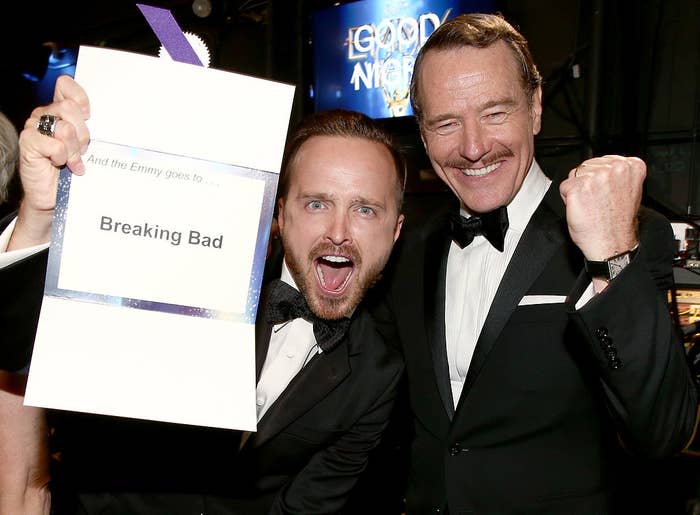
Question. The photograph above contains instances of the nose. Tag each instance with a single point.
(474, 141)
(338, 230)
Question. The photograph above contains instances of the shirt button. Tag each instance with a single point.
(455, 449)
(260, 401)
(290, 354)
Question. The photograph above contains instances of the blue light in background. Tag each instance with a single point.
(61, 61)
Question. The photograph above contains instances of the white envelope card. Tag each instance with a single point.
(157, 252)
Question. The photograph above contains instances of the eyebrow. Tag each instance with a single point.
(304, 195)
(368, 202)
(505, 101)
(355, 200)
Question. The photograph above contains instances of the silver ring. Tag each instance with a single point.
(47, 124)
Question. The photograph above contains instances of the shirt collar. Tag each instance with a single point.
(532, 191)
(287, 276)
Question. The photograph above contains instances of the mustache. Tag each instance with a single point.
(488, 160)
(325, 248)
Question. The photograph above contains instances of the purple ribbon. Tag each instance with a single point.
(169, 34)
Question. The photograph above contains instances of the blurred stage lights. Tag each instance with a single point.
(201, 8)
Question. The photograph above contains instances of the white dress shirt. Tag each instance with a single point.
(292, 345)
(7, 258)
(474, 274)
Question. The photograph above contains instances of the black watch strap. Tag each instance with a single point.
(611, 267)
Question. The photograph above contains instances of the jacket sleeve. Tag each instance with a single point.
(643, 369)
(22, 284)
(325, 483)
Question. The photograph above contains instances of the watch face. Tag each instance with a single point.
(616, 265)
(610, 268)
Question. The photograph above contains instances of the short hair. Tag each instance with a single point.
(9, 155)
(344, 123)
(477, 30)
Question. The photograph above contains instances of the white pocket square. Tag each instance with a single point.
(529, 300)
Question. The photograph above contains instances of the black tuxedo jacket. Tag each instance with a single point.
(542, 411)
(306, 456)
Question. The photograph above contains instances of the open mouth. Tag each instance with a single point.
(480, 172)
(333, 273)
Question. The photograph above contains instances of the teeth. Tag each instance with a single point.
(478, 172)
(336, 259)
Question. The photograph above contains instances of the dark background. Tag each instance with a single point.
(621, 76)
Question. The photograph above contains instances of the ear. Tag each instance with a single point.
(280, 213)
(536, 110)
(399, 225)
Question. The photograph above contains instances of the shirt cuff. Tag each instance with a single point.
(587, 295)
(8, 258)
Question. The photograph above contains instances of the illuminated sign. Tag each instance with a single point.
(364, 51)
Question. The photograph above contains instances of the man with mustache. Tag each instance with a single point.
(533, 317)
(322, 405)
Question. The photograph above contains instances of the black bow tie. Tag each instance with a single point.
(286, 303)
(492, 225)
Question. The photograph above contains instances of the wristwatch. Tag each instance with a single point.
(611, 267)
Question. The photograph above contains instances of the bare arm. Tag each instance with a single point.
(24, 455)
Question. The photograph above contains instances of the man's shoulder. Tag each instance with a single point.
(655, 230)
(423, 229)
(652, 217)
(656, 238)
(426, 214)
(364, 339)
(363, 328)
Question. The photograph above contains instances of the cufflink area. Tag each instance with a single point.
(608, 348)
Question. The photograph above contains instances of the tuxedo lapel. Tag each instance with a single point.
(543, 236)
(263, 331)
(436, 251)
(314, 382)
